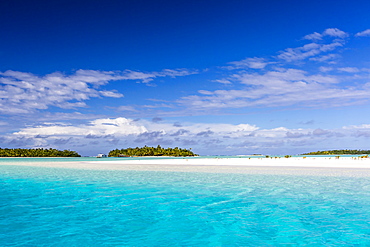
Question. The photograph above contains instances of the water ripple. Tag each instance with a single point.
(61, 207)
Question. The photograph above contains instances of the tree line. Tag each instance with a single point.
(339, 152)
(151, 151)
(36, 152)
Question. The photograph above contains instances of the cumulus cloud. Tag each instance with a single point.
(121, 130)
(124, 127)
(202, 137)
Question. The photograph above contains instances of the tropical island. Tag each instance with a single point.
(36, 152)
(339, 152)
(151, 151)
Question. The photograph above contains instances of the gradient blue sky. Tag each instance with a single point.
(220, 77)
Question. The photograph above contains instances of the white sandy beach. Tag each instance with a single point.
(324, 166)
(328, 162)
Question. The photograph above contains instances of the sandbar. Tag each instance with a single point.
(315, 166)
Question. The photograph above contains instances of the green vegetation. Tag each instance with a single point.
(151, 151)
(339, 152)
(36, 152)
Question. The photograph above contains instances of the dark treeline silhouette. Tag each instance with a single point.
(339, 152)
(151, 151)
(36, 152)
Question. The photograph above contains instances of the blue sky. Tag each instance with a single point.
(220, 77)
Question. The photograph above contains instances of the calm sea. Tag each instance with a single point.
(72, 207)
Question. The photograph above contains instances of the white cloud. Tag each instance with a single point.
(177, 72)
(279, 88)
(25, 92)
(162, 105)
(307, 51)
(325, 69)
(252, 63)
(363, 33)
(315, 48)
(362, 126)
(122, 130)
(111, 94)
(123, 126)
(145, 77)
(99, 127)
(127, 108)
(113, 133)
(250, 83)
(313, 36)
(138, 76)
(335, 32)
(325, 58)
(349, 69)
(56, 116)
(106, 134)
(223, 81)
(332, 32)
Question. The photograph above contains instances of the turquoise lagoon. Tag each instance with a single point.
(42, 206)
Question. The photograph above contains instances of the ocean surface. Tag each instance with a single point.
(42, 206)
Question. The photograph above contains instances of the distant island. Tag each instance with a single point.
(36, 152)
(151, 151)
(339, 152)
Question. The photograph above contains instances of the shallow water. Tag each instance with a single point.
(70, 207)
